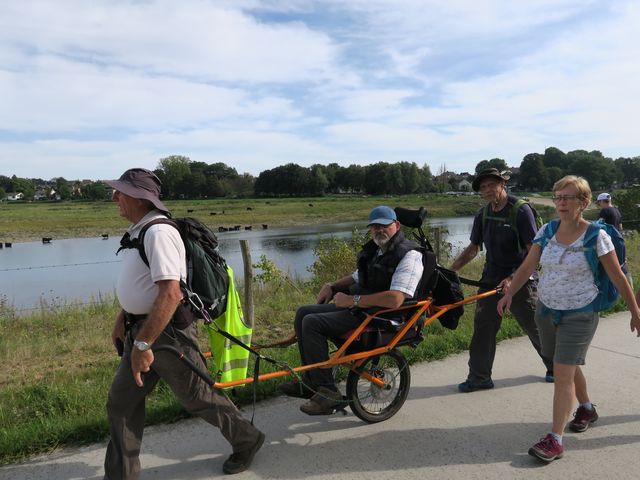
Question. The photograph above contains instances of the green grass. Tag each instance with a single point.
(21, 222)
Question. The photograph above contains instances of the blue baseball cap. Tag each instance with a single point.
(382, 215)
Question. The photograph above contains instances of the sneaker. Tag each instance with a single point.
(547, 449)
(295, 388)
(549, 377)
(583, 418)
(468, 386)
(240, 461)
(324, 402)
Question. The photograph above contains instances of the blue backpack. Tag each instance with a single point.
(608, 293)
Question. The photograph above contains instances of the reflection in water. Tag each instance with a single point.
(78, 269)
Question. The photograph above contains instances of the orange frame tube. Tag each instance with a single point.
(354, 360)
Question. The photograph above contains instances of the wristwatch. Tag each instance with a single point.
(356, 301)
(140, 345)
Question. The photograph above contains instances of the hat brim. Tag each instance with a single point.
(476, 182)
(381, 221)
(134, 192)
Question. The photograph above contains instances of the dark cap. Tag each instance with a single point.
(140, 183)
(489, 172)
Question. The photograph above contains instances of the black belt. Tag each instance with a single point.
(130, 319)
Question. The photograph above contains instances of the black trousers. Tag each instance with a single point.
(487, 322)
(314, 325)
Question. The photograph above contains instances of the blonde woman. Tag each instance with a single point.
(566, 313)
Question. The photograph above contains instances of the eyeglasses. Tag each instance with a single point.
(566, 198)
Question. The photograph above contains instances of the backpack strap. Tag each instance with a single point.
(513, 214)
(147, 226)
(591, 249)
(138, 242)
(550, 230)
(511, 218)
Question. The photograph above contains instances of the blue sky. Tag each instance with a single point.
(91, 88)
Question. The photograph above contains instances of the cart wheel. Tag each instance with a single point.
(372, 403)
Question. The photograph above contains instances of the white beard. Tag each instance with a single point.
(381, 241)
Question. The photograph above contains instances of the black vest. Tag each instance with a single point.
(375, 271)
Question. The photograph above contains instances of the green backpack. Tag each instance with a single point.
(512, 218)
(207, 277)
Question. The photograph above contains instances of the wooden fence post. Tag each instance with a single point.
(248, 283)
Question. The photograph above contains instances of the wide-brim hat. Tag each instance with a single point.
(140, 183)
(489, 172)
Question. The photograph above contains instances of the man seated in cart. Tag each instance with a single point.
(389, 269)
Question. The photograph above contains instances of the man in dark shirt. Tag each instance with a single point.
(608, 212)
(612, 216)
(506, 248)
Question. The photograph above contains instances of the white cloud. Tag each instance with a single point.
(94, 87)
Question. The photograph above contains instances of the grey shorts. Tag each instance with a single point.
(568, 341)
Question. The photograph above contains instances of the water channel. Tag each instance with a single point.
(78, 269)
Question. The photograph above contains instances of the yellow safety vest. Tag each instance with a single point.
(230, 359)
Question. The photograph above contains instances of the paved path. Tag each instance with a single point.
(438, 434)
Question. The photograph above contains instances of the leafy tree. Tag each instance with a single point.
(628, 167)
(241, 185)
(2, 193)
(97, 191)
(23, 185)
(332, 172)
(172, 171)
(220, 171)
(628, 203)
(289, 179)
(599, 171)
(533, 174)
(441, 178)
(498, 163)
(318, 182)
(351, 179)
(375, 179)
(410, 177)
(5, 183)
(426, 179)
(553, 175)
(394, 179)
(63, 188)
(554, 157)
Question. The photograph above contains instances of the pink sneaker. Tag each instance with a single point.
(547, 449)
(583, 418)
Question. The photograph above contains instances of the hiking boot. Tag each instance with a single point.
(295, 388)
(547, 449)
(240, 461)
(583, 418)
(470, 386)
(324, 402)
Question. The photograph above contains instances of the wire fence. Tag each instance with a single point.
(15, 269)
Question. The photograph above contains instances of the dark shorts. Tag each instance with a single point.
(568, 341)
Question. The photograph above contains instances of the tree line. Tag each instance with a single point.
(540, 171)
(183, 178)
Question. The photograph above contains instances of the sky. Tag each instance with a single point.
(91, 88)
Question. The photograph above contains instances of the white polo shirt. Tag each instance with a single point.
(136, 288)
